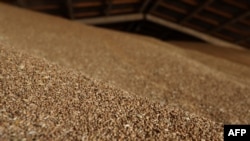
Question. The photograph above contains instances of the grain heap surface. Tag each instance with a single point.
(177, 79)
(140, 65)
(233, 62)
(40, 100)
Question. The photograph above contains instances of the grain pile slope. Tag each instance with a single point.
(141, 66)
(39, 100)
(234, 62)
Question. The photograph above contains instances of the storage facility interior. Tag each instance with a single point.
(123, 69)
(227, 20)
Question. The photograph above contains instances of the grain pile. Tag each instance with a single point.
(234, 62)
(44, 100)
(40, 100)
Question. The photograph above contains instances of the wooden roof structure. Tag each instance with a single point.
(221, 22)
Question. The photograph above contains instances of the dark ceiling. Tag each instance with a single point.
(216, 21)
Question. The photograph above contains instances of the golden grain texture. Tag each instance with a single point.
(127, 65)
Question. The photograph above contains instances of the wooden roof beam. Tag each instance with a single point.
(237, 3)
(70, 9)
(164, 16)
(219, 12)
(125, 1)
(173, 8)
(190, 2)
(144, 5)
(207, 20)
(86, 4)
(234, 20)
(245, 22)
(44, 7)
(120, 11)
(109, 6)
(156, 4)
(112, 19)
(200, 8)
(192, 32)
(86, 14)
(238, 31)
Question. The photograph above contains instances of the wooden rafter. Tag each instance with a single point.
(190, 2)
(219, 12)
(144, 5)
(87, 4)
(238, 31)
(122, 11)
(192, 32)
(207, 20)
(125, 1)
(234, 20)
(156, 4)
(109, 6)
(164, 16)
(45, 7)
(112, 19)
(70, 9)
(200, 8)
(245, 22)
(172, 7)
(236, 3)
(86, 14)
